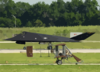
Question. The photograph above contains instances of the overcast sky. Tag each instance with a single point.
(46, 1)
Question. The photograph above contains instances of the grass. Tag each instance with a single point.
(81, 45)
(9, 32)
(21, 58)
(51, 68)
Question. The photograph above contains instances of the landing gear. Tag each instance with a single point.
(59, 62)
(76, 63)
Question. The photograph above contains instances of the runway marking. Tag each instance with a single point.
(7, 42)
(15, 41)
(46, 51)
(90, 41)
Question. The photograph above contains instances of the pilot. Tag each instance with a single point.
(68, 53)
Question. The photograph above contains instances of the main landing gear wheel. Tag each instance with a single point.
(59, 62)
(76, 63)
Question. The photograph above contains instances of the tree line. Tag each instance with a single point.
(58, 13)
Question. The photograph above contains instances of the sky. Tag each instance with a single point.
(46, 1)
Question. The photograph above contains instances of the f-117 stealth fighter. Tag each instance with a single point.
(36, 37)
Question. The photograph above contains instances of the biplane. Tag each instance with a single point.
(66, 53)
(24, 37)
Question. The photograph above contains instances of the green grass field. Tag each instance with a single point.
(74, 45)
(51, 68)
(8, 32)
(21, 58)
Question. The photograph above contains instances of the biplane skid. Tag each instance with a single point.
(64, 55)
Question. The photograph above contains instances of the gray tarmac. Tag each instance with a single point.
(15, 41)
(46, 51)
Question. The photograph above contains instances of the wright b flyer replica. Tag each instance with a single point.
(24, 37)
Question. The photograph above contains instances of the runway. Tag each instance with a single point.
(15, 41)
(46, 51)
(7, 42)
(50, 64)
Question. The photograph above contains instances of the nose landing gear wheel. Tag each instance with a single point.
(59, 62)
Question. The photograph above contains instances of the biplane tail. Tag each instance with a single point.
(82, 36)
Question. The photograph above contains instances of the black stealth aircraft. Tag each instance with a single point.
(36, 37)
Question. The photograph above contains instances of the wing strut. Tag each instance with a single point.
(40, 51)
(49, 48)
